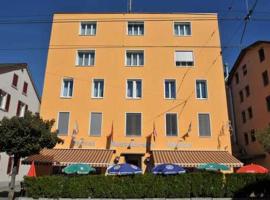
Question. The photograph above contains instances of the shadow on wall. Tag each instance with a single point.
(257, 190)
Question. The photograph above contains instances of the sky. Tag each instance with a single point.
(21, 40)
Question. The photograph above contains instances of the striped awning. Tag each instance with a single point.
(194, 158)
(94, 157)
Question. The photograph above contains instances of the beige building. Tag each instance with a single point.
(249, 98)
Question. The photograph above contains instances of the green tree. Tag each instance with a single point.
(263, 137)
(24, 136)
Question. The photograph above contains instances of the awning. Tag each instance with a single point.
(194, 158)
(94, 157)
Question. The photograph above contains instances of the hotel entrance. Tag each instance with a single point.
(134, 159)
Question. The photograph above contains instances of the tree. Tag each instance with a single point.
(24, 136)
(263, 138)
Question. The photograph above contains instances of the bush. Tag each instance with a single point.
(149, 186)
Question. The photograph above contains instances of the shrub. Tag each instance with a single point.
(149, 186)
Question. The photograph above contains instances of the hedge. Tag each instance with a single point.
(149, 186)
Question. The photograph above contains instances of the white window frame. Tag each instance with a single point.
(170, 79)
(87, 23)
(142, 22)
(126, 124)
(58, 114)
(62, 87)
(188, 66)
(4, 100)
(89, 128)
(177, 128)
(198, 125)
(89, 61)
(134, 51)
(207, 93)
(134, 95)
(93, 88)
(182, 22)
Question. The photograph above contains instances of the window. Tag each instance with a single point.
(268, 103)
(204, 125)
(63, 122)
(21, 109)
(265, 78)
(182, 28)
(184, 58)
(201, 89)
(4, 100)
(244, 119)
(171, 124)
(133, 124)
(250, 113)
(170, 89)
(25, 87)
(86, 58)
(247, 90)
(134, 89)
(241, 96)
(252, 135)
(244, 68)
(98, 88)
(15, 80)
(67, 87)
(134, 58)
(95, 124)
(246, 139)
(236, 78)
(88, 28)
(261, 55)
(135, 28)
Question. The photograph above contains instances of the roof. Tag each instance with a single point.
(94, 157)
(242, 54)
(130, 13)
(16, 66)
(194, 158)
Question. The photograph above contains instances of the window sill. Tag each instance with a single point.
(25, 94)
(135, 35)
(87, 35)
(15, 87)
(97, 97)
(82, 66)
(202, 99)
(134, 65)
(180, 66)
(130, 98)
(182, 35)
(2, 109)
(131, 136)
(62, 97)
(170, 98)
(205, 137)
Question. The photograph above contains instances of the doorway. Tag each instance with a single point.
(134, 159)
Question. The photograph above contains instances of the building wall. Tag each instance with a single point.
(159, 44)
(16, 94)
(30, 99)
(258, 93)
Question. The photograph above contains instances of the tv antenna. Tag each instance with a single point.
(129, 6)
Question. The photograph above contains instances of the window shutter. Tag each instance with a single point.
(25, 87)
(63, 123)
(95, 124)
(10, 163)
(26, 108)
(18, 108)
(7, 102)
(204, 125)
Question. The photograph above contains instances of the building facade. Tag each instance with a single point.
(17, 94)
(249, 94)
(147, 86)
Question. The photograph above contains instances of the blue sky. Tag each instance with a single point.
(28, 42)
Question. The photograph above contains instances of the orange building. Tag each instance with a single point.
(249, 93)
(137, 88)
